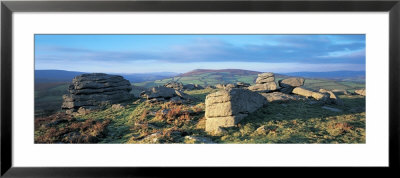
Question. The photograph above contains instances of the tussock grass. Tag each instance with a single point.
(165, 122)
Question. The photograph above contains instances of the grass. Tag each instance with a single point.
(142, 122)
(48, 97)
(302, 122)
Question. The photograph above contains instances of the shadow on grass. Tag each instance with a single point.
(305, 110)
(302, 122)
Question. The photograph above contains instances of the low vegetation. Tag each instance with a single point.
(139, 121)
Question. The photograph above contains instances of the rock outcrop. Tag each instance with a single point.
(242, 85)
(340, 92)
(192, 87)
(332, 97)
(174, 84)
(161, 93)
(311, 94)
(287, 85)
(265, 82)
(279, 97)
(227, 108)
(360, 92)
(92, 91)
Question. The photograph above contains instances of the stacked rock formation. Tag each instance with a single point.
(287, 85)
(226, 108)
(92, 91)
(265, 82)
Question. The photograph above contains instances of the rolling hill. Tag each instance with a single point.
(45, 76)
(334, 75)
(315, 80)
(51, 85)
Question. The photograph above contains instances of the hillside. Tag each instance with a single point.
(48, 95)
(44, 76)
(355, 76)
(346, 80)
(207, 77)
(230, 71)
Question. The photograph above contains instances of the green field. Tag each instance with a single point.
(205, 79)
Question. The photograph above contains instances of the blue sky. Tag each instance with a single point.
(182, 53)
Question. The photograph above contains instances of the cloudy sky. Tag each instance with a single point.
(182, 53)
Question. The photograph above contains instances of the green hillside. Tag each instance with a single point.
(48, 96)
(204, 79)
(213, 78)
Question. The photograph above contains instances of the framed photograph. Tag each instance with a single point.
(137, 88)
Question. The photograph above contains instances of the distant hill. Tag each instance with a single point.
(207, 77)
(337, 75)
(138, 77)
(230, 71)
(44, 76)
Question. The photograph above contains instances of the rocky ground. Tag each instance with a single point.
(140, 121)
(100, 109)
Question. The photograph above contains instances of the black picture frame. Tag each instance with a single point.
(8, 7)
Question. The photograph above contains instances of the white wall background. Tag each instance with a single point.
(373, 153)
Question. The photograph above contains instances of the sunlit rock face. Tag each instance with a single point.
(92, 91)
(227, 108)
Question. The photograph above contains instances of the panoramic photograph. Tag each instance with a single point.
(200, 89)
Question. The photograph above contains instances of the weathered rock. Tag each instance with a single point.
(332, 97)
(220, 86)
(265, 78)
(161, 93)
(279, 97)
(307, 93)
(291, 82)
(227, 108)
(174, 84)
(192, 87)
(340, 92)
(93, 91)
(361, 92)
(287, 90)
(242, 85)
(230, 85)
(266, 87)
(287, 85)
